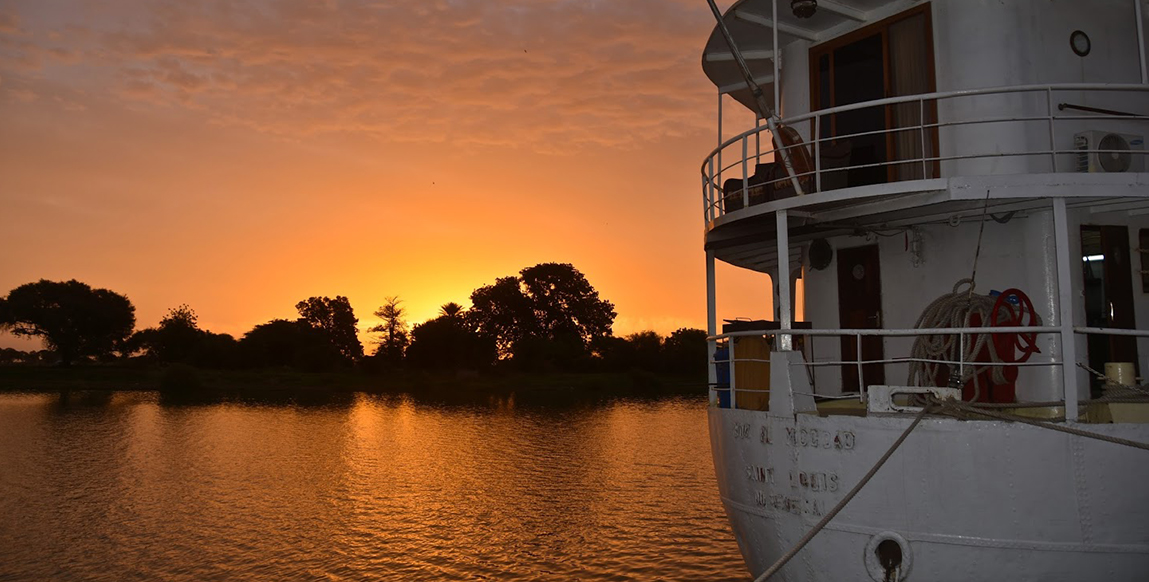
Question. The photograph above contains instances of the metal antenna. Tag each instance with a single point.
(764, 109)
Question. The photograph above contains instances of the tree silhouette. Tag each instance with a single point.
(565, 302)
(448, 342)
(684, 352)
(74, 320)
(337, 319)
(393, 329)
(451, 310)
(550, 304)
(179, 339)
(503, 313)
(645, 350)
(178, 335)
(295, 344)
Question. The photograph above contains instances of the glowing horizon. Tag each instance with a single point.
(241, 157)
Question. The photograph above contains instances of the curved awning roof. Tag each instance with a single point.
(751, 24)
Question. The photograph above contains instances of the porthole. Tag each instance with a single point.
(888, 557)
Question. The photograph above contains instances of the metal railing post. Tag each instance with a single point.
(745, 176)
(1065, 308)
(861, 377)
(711, 321)
(733, 383)
(782, 224)
(961, 358)
(922, 131)
(1052, 141)
(710, 188)
(817, 137)
(706, 204)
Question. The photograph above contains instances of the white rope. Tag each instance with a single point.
(956, 309)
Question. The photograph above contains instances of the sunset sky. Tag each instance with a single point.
(239, 156)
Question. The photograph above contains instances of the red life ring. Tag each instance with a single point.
(1007, 344)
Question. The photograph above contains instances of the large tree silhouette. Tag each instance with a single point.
(177, 338)
(549, 303)
(336, 318)
(74, 320)
(503, 313)
(295, 344)
(449, 342)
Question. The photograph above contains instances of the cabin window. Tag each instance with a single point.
(891, 58)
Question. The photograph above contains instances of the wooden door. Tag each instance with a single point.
(1108, 294)
(1119, 292)
(860, 307)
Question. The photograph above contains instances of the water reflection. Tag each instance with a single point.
(136, 486)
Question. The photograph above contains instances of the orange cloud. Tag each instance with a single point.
(486, 72)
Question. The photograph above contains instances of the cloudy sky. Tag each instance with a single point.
(239, 156)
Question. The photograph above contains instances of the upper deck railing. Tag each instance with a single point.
(725, 386)
(1026, 129)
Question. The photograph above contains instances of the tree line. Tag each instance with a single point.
(546, 318)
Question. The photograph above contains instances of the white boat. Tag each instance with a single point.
(925, 145)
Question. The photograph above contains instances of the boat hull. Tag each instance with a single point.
(963, 500)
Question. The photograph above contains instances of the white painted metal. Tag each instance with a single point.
(790, 29)
(753, 55)
(839, 8)
(982, 500)
(1112, 331)
(974, 117)
(964, 500)
(711, 319)
(1065, 308)
(740, 85)
(880, 399)
(783, 281)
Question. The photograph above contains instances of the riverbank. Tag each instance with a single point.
(192, 382)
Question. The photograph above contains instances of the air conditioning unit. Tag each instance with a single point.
(1104, 151)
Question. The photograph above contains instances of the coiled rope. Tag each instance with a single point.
(957, 309)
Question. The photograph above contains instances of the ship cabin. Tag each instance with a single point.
(919, 145)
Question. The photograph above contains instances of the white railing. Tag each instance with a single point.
(1005, 130)
(725, 383)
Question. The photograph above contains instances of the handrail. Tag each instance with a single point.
(938, 95)
(929, 127)
(731, 360)
(893, 332)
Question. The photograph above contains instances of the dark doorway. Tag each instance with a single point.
(860, 307)
(1108, 277)
(859, 75)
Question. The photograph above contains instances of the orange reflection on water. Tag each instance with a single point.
(363, 487)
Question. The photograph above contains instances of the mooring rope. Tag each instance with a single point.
(841, 504)
(954, 408)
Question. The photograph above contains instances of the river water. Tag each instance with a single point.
(127, 486)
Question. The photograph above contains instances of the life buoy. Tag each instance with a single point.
(1007, 345)
(800, 160)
